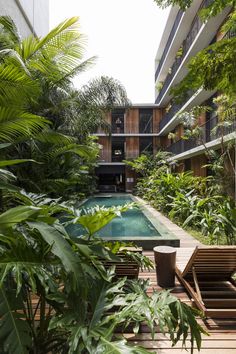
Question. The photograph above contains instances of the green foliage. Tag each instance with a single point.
(183, 4)
(191, 201)
(79, 305)
(220, 161)
(145, 164)
(15, 331)
(97, 217)
(38, 259)
(46, 113)
(212, 68)
(211, 10)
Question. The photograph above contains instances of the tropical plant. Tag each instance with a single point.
(220, 161)
(48, 120)
(78, 304)
(218, 58)
(191, 201)
(146, 164)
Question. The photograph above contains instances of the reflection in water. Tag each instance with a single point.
(131, 223)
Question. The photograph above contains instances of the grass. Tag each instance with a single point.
(206, 240)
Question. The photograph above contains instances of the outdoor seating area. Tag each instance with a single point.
(220, 324)
(208, 278)
(118, 194)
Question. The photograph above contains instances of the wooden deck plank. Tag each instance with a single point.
(222, 339)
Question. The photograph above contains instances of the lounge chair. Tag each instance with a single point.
(207, 276)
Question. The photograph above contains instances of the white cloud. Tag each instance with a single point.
(124, 34)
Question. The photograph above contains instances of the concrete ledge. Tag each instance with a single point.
(147, 243)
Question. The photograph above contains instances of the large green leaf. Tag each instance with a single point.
(14, 329)
(14, 162)
(96, 218)
(62, 249)
(118, 347)
(16, 215)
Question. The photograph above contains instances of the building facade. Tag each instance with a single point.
(184, 36)
(133, 131)
(30, 16)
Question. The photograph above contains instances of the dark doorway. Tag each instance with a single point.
(111, 178)
(115, 181)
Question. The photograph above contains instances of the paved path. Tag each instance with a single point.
(186, 240)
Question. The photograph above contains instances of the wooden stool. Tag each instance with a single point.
(165, 258)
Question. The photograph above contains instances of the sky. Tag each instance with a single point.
(123, 34)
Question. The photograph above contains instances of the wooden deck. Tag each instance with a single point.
(222, 339)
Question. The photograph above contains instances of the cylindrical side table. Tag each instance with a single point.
(165, 259)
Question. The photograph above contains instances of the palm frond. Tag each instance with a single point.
(15, 124)
(8, 26)
(81, 150)
(10, 55)
(53, 40)
(76, 70)
(53, 137)
(15, 85)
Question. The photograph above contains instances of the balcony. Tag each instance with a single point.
(175, 108)
(207, 135)
(187, 43)
(169, 41)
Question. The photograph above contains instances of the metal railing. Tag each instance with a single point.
(175, 108)
(169, 41)
(193, 32)
(209, 133)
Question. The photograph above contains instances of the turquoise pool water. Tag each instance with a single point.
(132, 222)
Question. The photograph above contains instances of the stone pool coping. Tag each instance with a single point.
(184, 237)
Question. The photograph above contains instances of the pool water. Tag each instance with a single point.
(132, 222)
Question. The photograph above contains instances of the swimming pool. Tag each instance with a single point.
(136, 224)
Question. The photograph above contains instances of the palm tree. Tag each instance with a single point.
(47, 113)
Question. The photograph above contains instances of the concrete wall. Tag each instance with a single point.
(27, 15)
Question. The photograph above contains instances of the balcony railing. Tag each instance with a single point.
(175, 108)
(169, 41)
(193, 32)
(207, 135)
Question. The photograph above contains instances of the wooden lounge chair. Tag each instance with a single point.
(207, 277)
(127, 267)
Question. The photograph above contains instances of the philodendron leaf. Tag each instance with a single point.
(16, 215)
(62, 249)
(14, 329)
(96, 218)
(118, 347)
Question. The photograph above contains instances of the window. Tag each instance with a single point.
(118, 149)
(145, 145)
(117, 121)
(145, 121)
